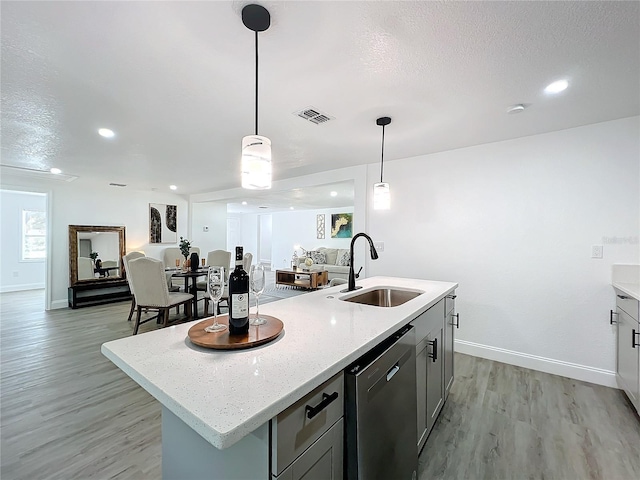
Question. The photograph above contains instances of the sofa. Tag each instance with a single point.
(334, 260)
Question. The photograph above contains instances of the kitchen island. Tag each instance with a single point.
(217, 404)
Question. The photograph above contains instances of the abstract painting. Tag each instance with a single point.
(163, 223)
(341, 225)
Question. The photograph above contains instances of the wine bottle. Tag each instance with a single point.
(238, 298)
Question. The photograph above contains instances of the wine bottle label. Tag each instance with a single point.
(239, 305)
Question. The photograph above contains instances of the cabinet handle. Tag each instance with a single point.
(326, 400)
(611, 314)
(622, 297)
(434, 344)
(457, 324)
(452, 297)
(633, 338)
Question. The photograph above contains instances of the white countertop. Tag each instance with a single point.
(224, 395)
(626, 278)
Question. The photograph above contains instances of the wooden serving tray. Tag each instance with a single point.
(223, 341)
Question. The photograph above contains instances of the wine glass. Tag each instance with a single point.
(256, 284)
(215, 287)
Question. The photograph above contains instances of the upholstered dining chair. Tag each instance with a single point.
(151, 291)
(169, 257)
(220, 258)
(125, 260)
(246, 261)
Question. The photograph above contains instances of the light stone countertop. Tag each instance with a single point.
(626, 278)
(225, 395)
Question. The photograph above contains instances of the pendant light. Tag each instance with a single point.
(381, 191)
(256, 149)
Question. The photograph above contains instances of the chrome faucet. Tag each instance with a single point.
(352, 274)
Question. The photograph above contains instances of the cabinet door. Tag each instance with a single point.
(627, 360)
(421, 386)
(435, 384)
(321, 461)
(449, 329)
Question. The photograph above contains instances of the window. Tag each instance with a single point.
(34, 235)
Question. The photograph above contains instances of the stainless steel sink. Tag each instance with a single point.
(384, 297)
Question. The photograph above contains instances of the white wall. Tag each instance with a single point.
(79, 205)
(513, 223)
(214, 216)
(16, 274)
(299, 228)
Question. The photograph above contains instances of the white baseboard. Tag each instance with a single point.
(542, 364)
(56, 304)
(19, 288)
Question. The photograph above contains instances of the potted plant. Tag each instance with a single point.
(93, 256)
(185, 246)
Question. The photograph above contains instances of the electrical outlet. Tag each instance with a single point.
(596, 251)
(15, 274)
(379, 246)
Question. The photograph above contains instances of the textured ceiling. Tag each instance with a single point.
(175, 81)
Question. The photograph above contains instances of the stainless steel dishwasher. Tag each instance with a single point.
(380, 411)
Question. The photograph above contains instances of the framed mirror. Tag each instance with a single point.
(95, 254)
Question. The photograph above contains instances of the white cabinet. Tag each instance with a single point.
(628, 348)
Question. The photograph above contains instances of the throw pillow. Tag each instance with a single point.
(343, 258)
(318, 257)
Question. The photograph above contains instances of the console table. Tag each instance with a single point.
(87, 294)
(302, 279)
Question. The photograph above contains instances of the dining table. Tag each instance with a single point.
(190, 284)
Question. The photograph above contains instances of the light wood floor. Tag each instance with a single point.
(68, 413)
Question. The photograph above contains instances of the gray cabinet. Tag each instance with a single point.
(429, 368)
(321, 461)
(628, 348)
(307, 438)
(435, 371)
(450, 324)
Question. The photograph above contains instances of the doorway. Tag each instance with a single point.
(24, 242)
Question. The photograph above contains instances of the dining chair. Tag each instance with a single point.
(85, 268)
(223, 259)
(246, 261)
(169, 257)
(151, 292)
(125, 260)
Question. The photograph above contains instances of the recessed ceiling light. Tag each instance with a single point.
(556, 87)
(55, 171)
(334, 194)
(290, 208)
(173, 187)
(244, 203)
(517, 108)
(106, 133)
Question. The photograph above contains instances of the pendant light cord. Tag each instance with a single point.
(256, 83)
(382, 159)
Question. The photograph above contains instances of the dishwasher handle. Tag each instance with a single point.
(326, 400)
(395, 369)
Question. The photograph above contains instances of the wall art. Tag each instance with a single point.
(341, 225)
(320, 226)
(163, 223)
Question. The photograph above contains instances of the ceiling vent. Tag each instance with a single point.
(117, 184)
(33, 173)
(314, 115)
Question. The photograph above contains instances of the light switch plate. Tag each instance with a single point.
(596, 251)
